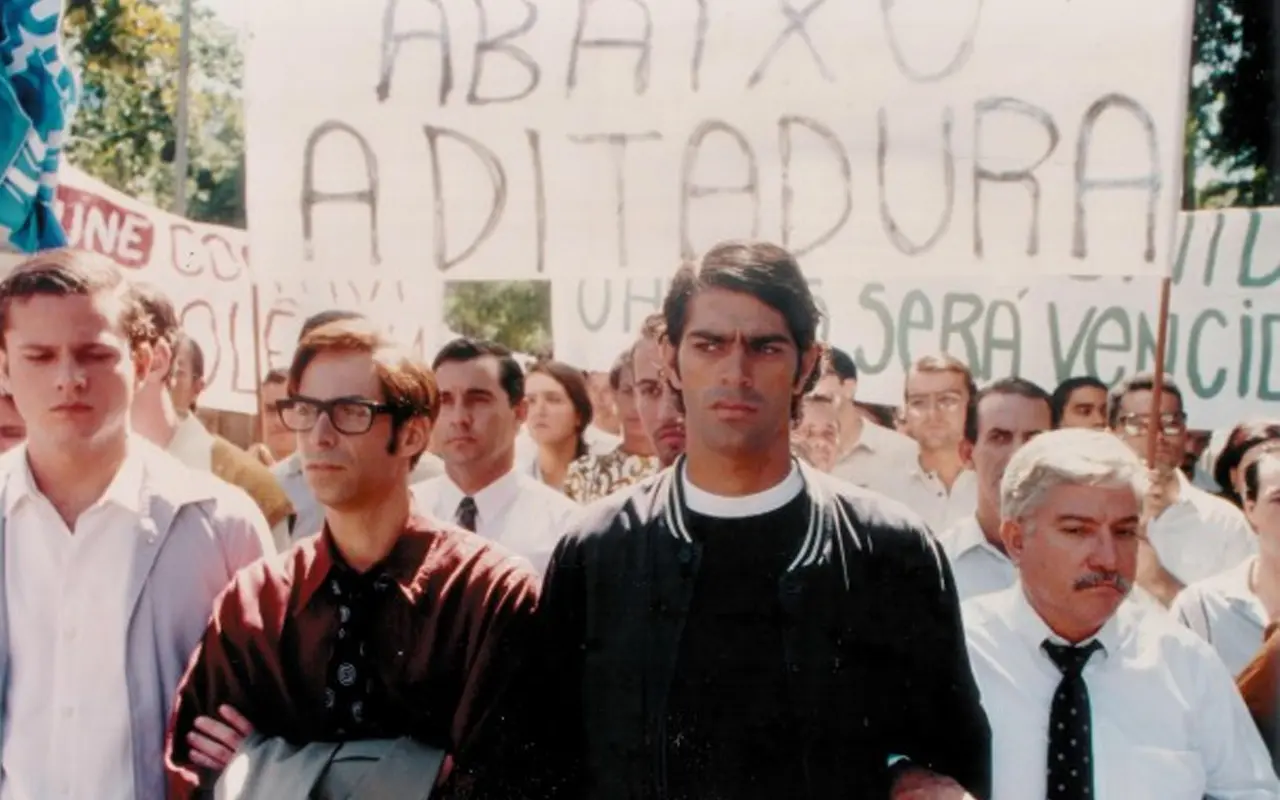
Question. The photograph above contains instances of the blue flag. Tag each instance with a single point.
(37, 95)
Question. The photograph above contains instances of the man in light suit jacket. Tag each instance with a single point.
(111, 551)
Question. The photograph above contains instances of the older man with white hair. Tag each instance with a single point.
(1090, 696)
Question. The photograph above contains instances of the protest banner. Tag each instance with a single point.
(204, 270)
(1224, 326)
(476, 139)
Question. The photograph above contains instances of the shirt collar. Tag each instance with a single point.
(969, 536)
(124, 491)
(491, 501)
(1033, 630)
(700, 501)
(406, 563)
(1233, 585)
(918, 472)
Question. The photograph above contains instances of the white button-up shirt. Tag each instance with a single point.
(878, 451)
(979, 568)
(924, 493)
(1167, 721)
(520, 513)
(1200, 535)
(67, 730)
(1226, 613)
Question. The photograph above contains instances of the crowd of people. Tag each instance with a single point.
(709, 573)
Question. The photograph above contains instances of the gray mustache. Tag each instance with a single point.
(1095, 579)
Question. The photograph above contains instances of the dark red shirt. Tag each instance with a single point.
(446, 642)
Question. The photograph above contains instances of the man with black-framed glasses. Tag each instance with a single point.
(367, 659)
(1190, 534)
(308, 512)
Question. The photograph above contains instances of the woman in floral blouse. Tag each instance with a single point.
(592, 477)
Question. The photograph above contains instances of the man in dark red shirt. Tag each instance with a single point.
(386, 626)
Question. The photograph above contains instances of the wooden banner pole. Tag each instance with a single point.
(256, 311)
(1157, 389)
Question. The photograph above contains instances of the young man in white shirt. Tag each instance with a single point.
(1002, 418)
(1193, 534)
(113, 552)
(1233, 610)
(938, 485)
(867, 450)
(1090, 696)
(482, 406)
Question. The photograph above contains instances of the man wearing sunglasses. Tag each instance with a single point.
(1190, 534)
(351, 664)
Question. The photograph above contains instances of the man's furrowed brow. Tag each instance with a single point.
(749, 338)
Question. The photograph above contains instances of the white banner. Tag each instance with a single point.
(474, 139)
(204, 270)
(1224, 342)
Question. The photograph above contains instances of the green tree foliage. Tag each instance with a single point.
(126, 54)
(515, 313)
(1232, 107)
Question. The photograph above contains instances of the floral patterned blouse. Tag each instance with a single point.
(592, 477)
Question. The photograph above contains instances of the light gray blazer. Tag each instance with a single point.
(381, 769)
(199, 532)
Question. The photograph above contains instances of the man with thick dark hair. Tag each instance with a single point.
(308, 514)
(1080, 402)
(482, 406)
(867, 451)
(1002, 418)
(734, 626)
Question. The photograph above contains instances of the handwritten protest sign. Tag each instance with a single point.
(475, 139)
(204, 270)
(1224, 342)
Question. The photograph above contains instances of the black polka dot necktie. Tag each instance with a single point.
(1070, 764)
(467, 512)
(351, 689)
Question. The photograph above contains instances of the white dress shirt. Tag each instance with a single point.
(522, 514)
(924, 493)
(67, 730)
(1200, 535)
(878, 451)
(1226, 613)
(979, 568)
(1167, 720)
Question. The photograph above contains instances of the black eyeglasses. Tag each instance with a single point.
(348, 415)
